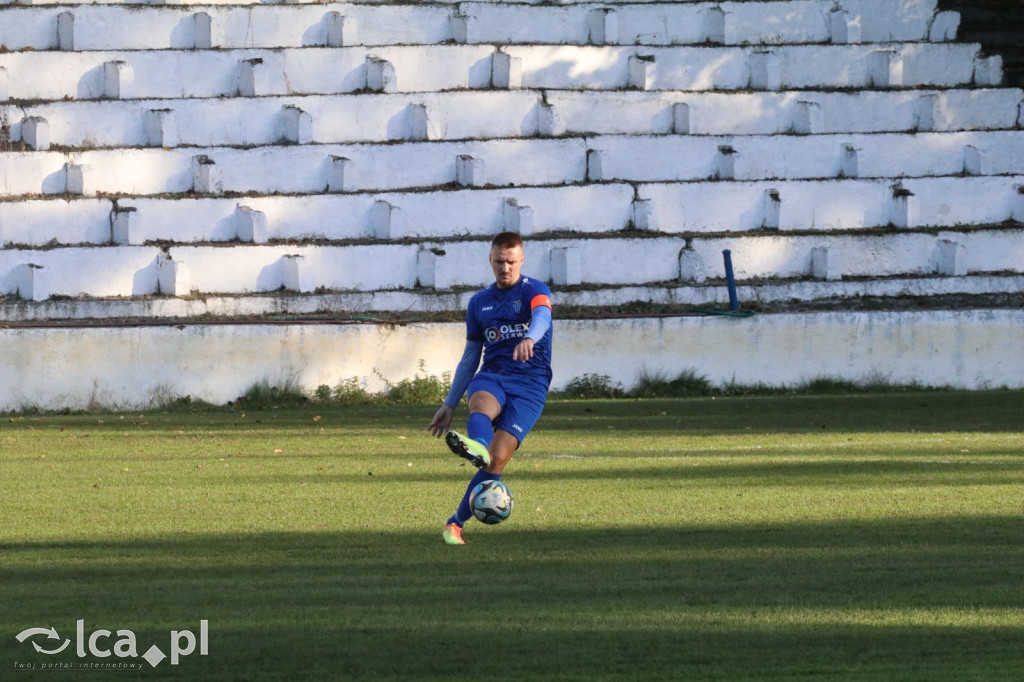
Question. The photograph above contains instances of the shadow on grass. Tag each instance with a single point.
(669, 480)
(920, 598)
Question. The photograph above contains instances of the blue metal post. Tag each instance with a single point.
(730, 280)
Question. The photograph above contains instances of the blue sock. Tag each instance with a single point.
(479, 427)
(464, 513)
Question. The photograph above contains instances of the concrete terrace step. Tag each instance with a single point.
(419, 215)
(111, 27)
(302, 169)
(271, 120)
(153, 74)
(596, 209)
(116, 27)
(370, 149)
(606, 113)
(764, 292)
(147, 270)
(852, 5)
(726, 23)
(831, 205)
(651, 158)
(502, 114)
(710, 293)
(314, 168)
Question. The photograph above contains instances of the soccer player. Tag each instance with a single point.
(510, 322)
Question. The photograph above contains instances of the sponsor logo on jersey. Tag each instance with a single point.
(506, 331)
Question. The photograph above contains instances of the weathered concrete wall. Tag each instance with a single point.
(130, 367)
(211, 158)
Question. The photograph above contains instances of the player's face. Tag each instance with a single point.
(506, 264)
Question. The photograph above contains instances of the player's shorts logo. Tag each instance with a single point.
(492, 334)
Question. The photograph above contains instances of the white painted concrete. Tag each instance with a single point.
(601, 112)
(131, 270)
(692, 208)
(401, 301)
(199, 73)
(659, 158)
(100, 26)
(299, 168)
(111, 27)
(715, 295)
(261, 121)
(829, 205)
(761, 23)
(425, 215)
(157, 74)
(712, 68)
(970, 349)
(529, 161)
(892, 255)
(53, 368)
(697, 123)
(506, 114)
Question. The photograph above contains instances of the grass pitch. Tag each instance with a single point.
(867, 537)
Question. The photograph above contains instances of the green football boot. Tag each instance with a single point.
(453, 534)
(467, 448)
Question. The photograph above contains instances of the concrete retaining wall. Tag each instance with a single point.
(130, 367)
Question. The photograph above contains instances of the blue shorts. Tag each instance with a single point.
(521, 401)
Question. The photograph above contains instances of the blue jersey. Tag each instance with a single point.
(500, 318)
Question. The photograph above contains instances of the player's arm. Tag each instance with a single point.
(464, 372)
(540, 323)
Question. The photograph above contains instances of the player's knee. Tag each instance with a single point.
(499, 458)
(484, 402)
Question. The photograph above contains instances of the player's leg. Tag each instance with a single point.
(484, 407)
(485, 403)
(503, 446)
(522, 408)
(513, 416)
(464, 513)
(486, 399)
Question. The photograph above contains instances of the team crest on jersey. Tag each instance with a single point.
(517, 305)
